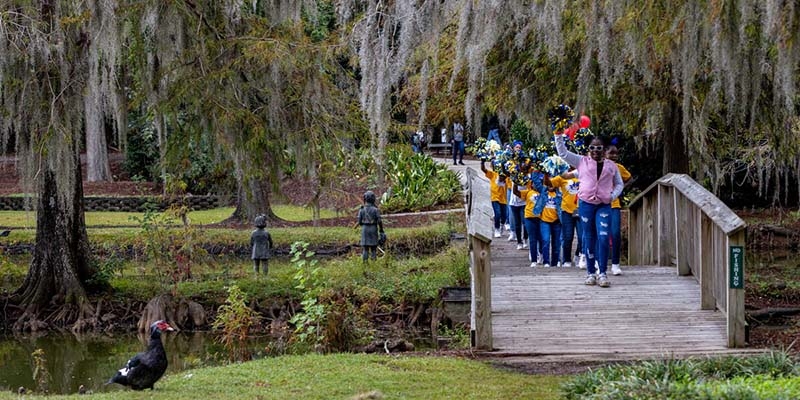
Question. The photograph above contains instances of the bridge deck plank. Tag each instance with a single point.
(548, 313)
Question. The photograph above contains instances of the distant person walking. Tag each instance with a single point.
(494, 134)
(458, 143)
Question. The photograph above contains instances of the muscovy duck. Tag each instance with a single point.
(145, 368)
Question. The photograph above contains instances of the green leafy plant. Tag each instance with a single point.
(236, 320)
(521, 130)
(458, 336)
(106, 269)
(310, 319)
(418, 182)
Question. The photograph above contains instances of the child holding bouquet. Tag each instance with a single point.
(498, 182)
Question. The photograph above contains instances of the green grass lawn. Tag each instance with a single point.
(345, 376)
(27, 219)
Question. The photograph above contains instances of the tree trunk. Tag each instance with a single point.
(676, 157)
(97, 167)
(61, 256)
(253, 198)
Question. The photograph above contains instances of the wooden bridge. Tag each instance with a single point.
(682, 295)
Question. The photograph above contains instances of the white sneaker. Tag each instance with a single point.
(559, 265)
(582, 261)
(519, 246)
(507, 227)
(512, 237)
(615, 270)
(547, 265)
(567, 264)
(525, 246)
(533, 264)
(497, 233)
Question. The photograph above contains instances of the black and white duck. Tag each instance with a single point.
(144, 369)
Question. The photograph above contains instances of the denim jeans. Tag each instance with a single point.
(551, 241)
(569, 224)
(458, 150)
(510, 219)
(500, 216)
(596, 220)
(532, 225)
(517, 223)
(616, 235)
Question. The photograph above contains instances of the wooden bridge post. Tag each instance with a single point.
(706, 254)
(735, 294)
(479, 228)
(666, 226)
(482, 291)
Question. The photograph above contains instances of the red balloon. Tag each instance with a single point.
(571, 132)
(585, 121)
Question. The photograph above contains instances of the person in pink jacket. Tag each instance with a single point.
(601, 183)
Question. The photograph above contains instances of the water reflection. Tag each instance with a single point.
(91, 360)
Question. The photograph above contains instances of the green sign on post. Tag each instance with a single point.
(736, 267)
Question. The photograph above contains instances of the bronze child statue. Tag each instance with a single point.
(371, 226)
(261, 244)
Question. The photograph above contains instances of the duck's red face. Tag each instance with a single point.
(163, 326)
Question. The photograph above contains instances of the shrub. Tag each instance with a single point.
(712, 378)
(418, 182)
(236, 320)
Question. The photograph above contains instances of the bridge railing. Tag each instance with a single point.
(479, 229)
(677, 222)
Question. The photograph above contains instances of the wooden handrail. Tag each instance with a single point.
(479, 229)
(676, 221)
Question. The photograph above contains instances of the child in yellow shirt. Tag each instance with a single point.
(532, 218)
(570, 222)
(612, 153)
(498, 183)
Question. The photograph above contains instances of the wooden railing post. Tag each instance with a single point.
(706, 272)
(735, 267)
(479, 229)
(666, 225)
(482, 291)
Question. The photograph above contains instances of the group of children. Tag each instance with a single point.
(545, 215)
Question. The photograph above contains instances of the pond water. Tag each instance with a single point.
(72, 361)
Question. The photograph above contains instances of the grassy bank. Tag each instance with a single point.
(345, 376)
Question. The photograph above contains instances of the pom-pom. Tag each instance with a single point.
(585, 121)
(554, 166)
(561, 117)
(492, 147)
(500, 159)
(485, 150)
(580, 144)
